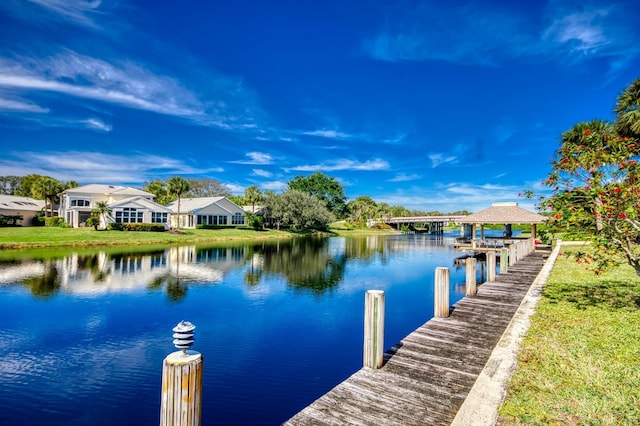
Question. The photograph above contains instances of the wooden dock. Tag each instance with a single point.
(427, 375)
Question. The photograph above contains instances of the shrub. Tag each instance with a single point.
(140, 227)
(38, 221)
(255, 221)
(53, 221)
(10, 220)
(116, 226)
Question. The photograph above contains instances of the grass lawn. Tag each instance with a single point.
(39, 237)
(579, 363)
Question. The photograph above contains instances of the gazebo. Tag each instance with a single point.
(506, 214)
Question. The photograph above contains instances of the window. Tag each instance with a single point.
(129, 215)
(157, 217)
(237, 219)
(80, 203)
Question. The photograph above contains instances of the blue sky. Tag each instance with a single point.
(427, 104)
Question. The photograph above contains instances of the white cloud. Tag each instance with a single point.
(401, 177)
(440, 158)
(97, 124)
(329, 134)
(95, 167)
(256, 158)
(129, 84)
(344, 164)
(262, 173)
(275, 185)
(81, 12)
(19, 105)
(491, 36)
(447, 198)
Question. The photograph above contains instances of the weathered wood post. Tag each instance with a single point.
(470, 264)
(441, 293)
(181, 402)
(491, 266)
(373, 329)
(504, 260)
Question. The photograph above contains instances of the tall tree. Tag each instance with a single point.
(207, 187)
(298, 210)
(26, 183)
(47, 188)
(628, 111)
(159, 188)
(361, 210)
(178, 185)
(595, 185)
(253, 196)
(327, 189)
(9, 184)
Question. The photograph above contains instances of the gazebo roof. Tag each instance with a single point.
(503, 213)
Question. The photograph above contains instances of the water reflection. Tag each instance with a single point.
(267, 313)
(309, 264)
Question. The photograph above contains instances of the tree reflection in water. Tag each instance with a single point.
(315, 264)
(306, 264)
(44, 285)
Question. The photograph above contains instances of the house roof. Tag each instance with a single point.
(503, 213)
(140, 201)
(108, 190)
(252, 209)
(14, 202)
(193, 204)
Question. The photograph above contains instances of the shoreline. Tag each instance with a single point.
(26, 238)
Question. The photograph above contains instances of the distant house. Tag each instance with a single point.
(128, 205)
(254, 209)
(27, 207)
(218, 211)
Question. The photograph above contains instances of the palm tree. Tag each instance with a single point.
(628, 111)
(103, 209)
(47, 188)
(253, 195)
(177, 185)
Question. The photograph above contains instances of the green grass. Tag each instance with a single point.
(47, 237)
(579, 363)
(35, 237)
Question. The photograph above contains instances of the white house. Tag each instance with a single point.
(27, 207)
(218, 211)
(139, 210)
(128, 205)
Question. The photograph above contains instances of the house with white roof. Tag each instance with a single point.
(127, 204)
(27, 207)
(206, 211)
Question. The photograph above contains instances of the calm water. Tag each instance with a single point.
(84, 335)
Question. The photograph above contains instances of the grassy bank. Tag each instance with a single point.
(580, 361)
(41, 237)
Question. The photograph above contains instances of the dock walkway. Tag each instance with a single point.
(428, 375)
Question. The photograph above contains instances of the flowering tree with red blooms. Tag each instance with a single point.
(595, 185)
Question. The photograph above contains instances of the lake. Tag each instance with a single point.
(279, 323)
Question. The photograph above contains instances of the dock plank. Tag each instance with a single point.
(428, 374)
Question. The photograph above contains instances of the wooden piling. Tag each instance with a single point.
(504, 260)
(373, 329)
(491, 266)
(181, 403)
(441, 293)
(470, 264)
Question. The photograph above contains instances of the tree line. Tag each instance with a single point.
(308, 202)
